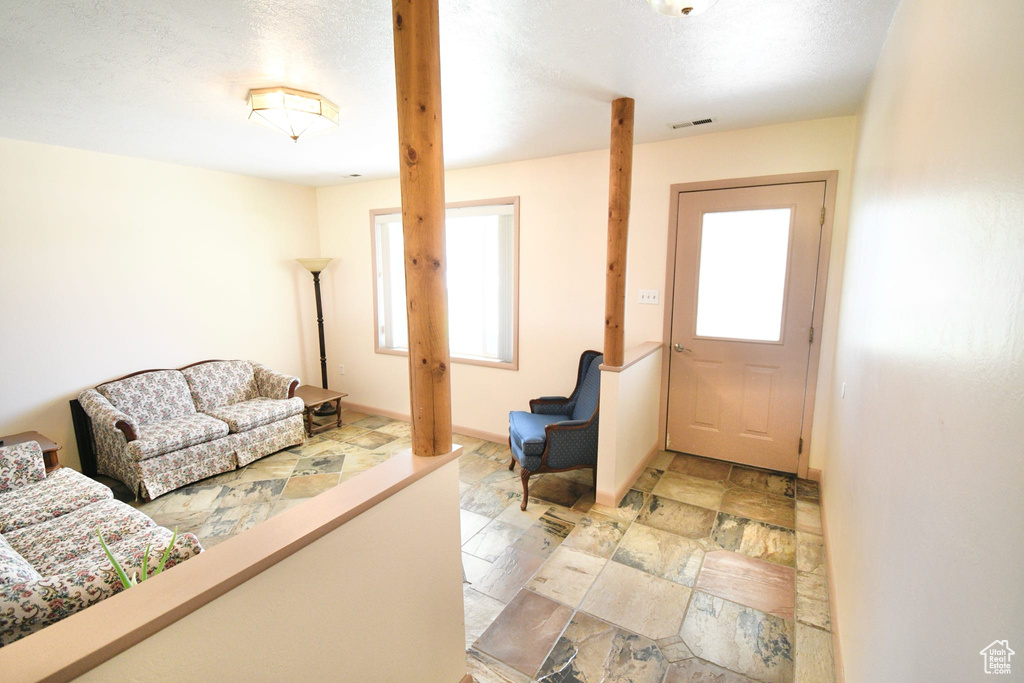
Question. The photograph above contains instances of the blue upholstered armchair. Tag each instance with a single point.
(558, 433)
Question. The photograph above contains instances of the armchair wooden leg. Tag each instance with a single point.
(525, 476)
(512, 465)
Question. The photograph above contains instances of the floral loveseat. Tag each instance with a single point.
(51, 561)
(159, 430)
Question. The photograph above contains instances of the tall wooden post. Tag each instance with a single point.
(619, 186)
(421, 170)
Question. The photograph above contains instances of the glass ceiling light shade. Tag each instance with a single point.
(293, 112)
(314, 265)
(681, 8)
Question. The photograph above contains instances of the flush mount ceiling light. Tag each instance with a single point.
(681, 8)
(295, 113)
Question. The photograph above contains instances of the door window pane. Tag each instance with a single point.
(742, 277)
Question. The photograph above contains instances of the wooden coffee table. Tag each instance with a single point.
(48, 447)
(313, 398)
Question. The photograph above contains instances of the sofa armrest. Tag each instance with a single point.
(29, 606)
(104, 414)
(273, 384)
(550, 405)
(21, 464)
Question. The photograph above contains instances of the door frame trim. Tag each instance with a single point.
(830, 179)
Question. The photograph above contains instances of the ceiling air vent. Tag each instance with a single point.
(687, 124)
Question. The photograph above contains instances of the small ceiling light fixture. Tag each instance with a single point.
(681, 8)
(295, 113)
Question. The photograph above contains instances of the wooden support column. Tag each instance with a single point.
(421, 170)
(619, 186)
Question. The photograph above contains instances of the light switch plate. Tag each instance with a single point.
(649, 296)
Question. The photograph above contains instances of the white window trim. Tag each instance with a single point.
(504, 365)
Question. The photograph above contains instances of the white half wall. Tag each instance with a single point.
(110, 265)
(377, 599)
(563, 236)
(925, 464)
(629, 424)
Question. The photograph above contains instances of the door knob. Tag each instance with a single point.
(679, 348)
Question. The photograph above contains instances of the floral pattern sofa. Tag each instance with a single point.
(159, 430)
(51, 561)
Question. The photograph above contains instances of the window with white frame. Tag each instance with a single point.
(481, 244)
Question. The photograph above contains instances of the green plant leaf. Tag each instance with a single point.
(167, 553)
(117, 565)
(145, 561)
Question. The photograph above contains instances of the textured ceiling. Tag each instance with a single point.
(520, 78)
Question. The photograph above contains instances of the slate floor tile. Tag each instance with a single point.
(812, 600)
(677, 518)
(592, 650)
(507, 574)
(637, 601)
(755, 539)
(763, 481)
(372, 440)
(739, 638)
(558, 490)
(763, 507)
(492, 540)
(523, 634)
(627, 509)
(660, 553)
(567, 576)
(251, 492)
(808, 517)
(696, 466)
(309, 486)
(814, 655)
(597, 534)
(765, 586)
(318, 464)
(480, 612)
(685, 488)
(698, 671)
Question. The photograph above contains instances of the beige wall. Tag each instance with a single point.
(563, 224)
(924, 473)
(351, 606)
(110, 265)
(629, 425)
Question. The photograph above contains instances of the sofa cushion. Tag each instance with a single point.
(62, 541)
(13, 567)
(241, 417)
(221, 383)
(21, 464)
(527, 430)
(130, 550)
(60, 493)
(172, 435)
(153, 396)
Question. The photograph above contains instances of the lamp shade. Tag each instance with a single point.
(295, 113)
(314, 265)
(681, 8)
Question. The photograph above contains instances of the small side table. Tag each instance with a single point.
(49, 447)
(313, 398)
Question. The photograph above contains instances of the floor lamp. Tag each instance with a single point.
(316, 266)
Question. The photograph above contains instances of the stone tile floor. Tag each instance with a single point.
(705, 571)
